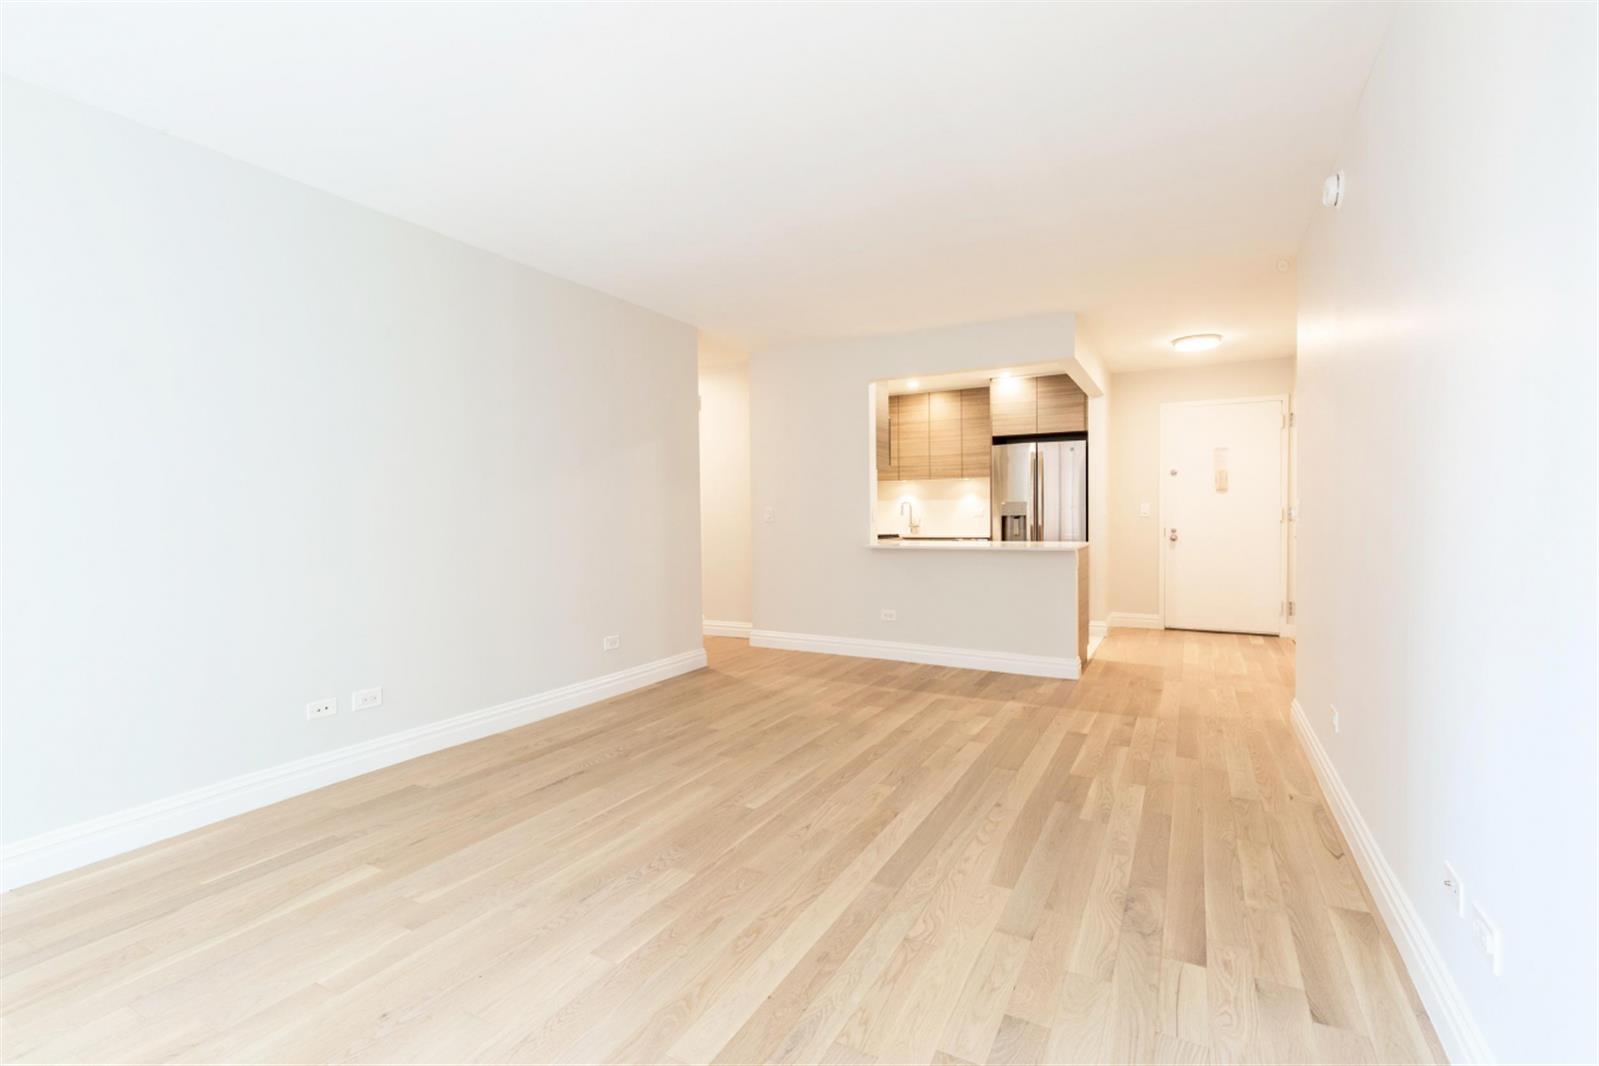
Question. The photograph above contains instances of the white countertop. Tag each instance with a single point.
(1024, 546)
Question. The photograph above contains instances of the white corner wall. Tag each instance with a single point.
(263, 446)
(725, 493)
(1099, 478)
(1135, 400)
(1099, 507)
(1447, 536)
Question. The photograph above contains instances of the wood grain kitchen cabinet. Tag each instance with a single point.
(885, 446)
(944, 434)
(1013, 406)
(977, 433)
(909, 436)
(891, 471)
(1062, 406)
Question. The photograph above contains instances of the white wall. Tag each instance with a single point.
(725, 486)
(1135, 400)
(1099, 505)
(1446, 463)
(811, 452)
(263, 446)
(1090, 373)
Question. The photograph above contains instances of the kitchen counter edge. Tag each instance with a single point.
(1023, 546)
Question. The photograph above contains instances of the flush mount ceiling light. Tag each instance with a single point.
(1197, 342)
(912, 384)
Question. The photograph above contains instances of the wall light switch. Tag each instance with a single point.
(1143, 510)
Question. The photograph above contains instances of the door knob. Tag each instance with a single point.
(1171, 535)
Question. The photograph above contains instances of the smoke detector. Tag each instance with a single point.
(1332, 190)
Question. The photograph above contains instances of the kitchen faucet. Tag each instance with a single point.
(908, 509)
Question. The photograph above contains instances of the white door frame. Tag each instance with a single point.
(1282, 498)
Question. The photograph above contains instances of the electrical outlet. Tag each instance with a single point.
(768, 514)
(322, 708)
(612, 643)
(1143, 510)
(1487, 936)
(1456, 888)
(365, 699)
(889, 614)
(1336, 720)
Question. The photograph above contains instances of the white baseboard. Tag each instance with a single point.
(1128, 620)
(714, 628)
(1462, 1040)
(1097, 632)
(1004, 662)
(100, 838)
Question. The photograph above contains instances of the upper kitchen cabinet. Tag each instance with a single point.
(977, 433)
(1024, 406)
(944, 434)
(885, 440)
(941, 434)
(908, 436)
(1062, 406)
(1013, 406)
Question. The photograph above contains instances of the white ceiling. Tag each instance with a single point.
(781, 172)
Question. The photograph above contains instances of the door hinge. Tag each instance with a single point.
(1288, 608)
(1290, 418)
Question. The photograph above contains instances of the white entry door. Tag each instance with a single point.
(1222, 474)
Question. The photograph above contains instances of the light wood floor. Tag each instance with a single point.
(784, 858)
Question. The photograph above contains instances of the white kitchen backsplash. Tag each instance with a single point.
(944, 507)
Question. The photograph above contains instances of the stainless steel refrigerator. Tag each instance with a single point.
(1039, 490)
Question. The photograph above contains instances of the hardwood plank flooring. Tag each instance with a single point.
(783, 858)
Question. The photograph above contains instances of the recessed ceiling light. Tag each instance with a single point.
(1196, 342)
(912, 384)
